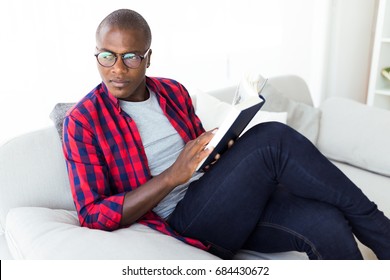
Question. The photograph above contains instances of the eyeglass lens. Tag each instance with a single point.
(108, 59)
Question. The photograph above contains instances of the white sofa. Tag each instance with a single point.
(37, 215)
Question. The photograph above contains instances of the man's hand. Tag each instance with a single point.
(193, 153)
(217, 156)
(145, 197)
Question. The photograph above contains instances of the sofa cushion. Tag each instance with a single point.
(57, 115)
(42, 233)
(355, 133)
(302, 117)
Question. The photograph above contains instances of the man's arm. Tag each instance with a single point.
(148, 195)
(88, 174)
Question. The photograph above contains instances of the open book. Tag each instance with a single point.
(247, 102)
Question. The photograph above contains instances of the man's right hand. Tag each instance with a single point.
(190, 157)
(148, 195)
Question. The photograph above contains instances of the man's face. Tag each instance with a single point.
(123, 82)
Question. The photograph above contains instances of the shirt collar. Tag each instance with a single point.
(110, 97)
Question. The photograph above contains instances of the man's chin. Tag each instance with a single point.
(120, 93)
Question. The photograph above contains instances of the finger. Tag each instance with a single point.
(204, 139)
(204, 153)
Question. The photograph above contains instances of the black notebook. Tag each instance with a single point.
(234, 124)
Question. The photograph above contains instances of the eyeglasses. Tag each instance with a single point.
(131, 60)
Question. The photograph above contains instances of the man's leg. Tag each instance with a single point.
(291, 223)
(225, 205)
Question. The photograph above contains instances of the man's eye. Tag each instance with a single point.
(107, 56)
(130, 56)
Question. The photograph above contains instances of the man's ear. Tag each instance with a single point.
(149, 58)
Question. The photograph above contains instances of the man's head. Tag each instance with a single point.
(123, 52)
(127, 19)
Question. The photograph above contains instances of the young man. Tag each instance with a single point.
(133, 143)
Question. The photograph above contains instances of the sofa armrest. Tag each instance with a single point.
(33, 173)
(356, 134)
(5, 254)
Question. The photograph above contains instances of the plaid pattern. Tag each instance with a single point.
(105, 156)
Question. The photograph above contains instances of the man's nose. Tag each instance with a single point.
(119, 66)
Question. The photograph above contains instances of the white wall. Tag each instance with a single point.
(47, 47)
(351, 35)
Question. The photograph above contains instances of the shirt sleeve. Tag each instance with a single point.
(88, 176)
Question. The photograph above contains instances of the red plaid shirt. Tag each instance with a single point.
(105, 156)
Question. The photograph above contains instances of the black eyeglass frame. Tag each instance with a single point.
(122, 55)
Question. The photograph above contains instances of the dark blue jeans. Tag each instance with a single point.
(273, 191)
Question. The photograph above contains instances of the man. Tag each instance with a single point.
(132, 146)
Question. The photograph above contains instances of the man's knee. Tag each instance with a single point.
(276, 131)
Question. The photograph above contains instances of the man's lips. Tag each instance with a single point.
(119, 83)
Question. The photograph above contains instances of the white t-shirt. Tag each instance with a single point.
(162, 144)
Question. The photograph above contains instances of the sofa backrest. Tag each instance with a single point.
(291, 86)
(33, 173)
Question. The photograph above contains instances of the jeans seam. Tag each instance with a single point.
(296, 234)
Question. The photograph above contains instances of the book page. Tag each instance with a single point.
(230, 129)
(249, 87)
(249, 102)
(230, 118)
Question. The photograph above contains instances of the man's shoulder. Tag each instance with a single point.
(169, 89)
(162, 80)
(164, 84)
(88, 104)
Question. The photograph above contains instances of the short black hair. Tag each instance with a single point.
(127, 19)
